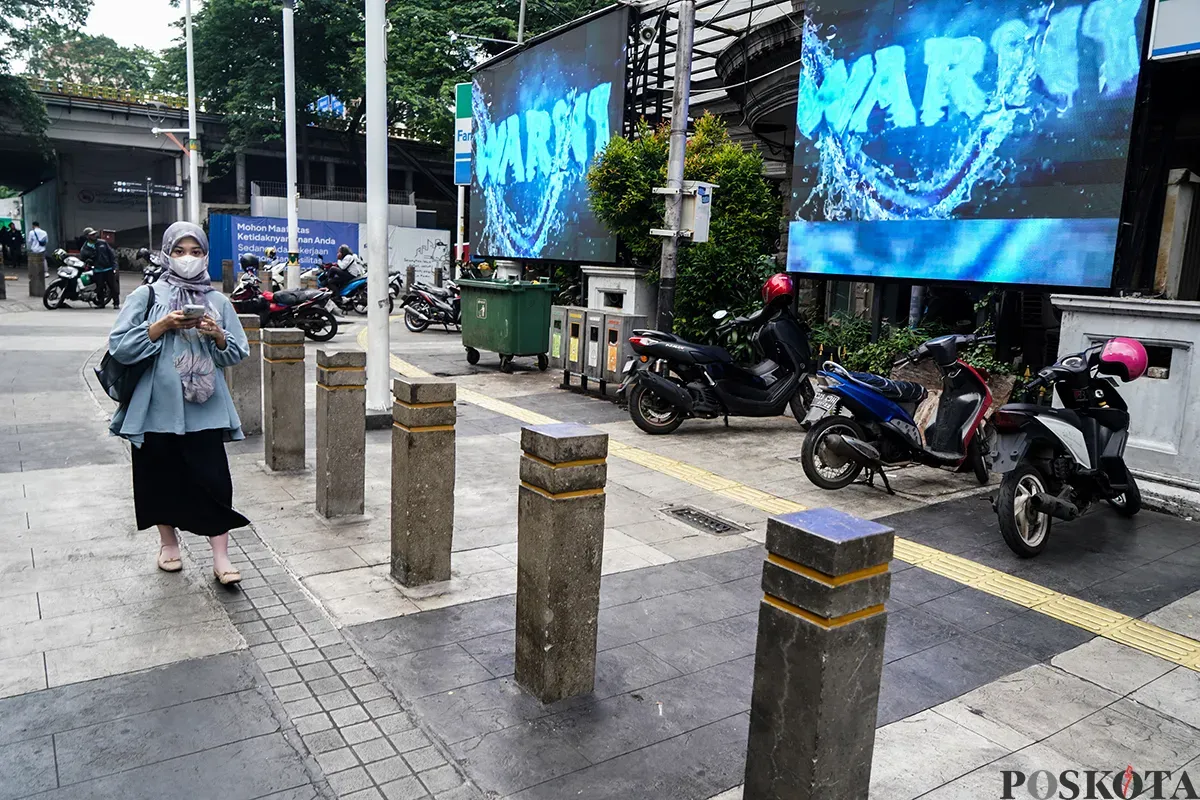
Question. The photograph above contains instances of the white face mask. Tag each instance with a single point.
(189, 267)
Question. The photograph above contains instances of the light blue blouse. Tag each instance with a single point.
(157, 405)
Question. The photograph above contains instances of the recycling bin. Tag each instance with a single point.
(510, 318)
(593, 362)
(558, 337)
(576, 345)
(617, 350)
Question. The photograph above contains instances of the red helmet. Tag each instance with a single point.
(776, 287)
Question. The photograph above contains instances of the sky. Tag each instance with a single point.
(136, 22)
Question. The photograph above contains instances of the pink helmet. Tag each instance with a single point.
(1125, 358)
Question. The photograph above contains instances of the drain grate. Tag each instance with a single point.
(702, 520)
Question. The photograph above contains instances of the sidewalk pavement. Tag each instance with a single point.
(322, 678)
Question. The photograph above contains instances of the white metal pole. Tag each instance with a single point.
(193, 142)
(179, 211)
(149, 215)
(379, 370)
(289, 100)
(460, 234)
(521, 24)
(680, 102)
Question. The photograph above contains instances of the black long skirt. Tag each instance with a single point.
(184, 481)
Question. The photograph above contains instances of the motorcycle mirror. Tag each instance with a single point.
(720, 315)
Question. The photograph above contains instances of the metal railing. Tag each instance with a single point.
(314, 191)
(93, 92)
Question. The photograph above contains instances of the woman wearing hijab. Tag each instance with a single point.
(181, 413)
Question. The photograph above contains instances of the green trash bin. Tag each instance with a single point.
(511, 318)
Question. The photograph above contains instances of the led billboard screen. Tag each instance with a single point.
(964, 141)
(540, 119)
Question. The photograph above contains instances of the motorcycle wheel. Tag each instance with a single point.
(359, 301)
(651, 413)
(824, 468)
(415, 323)
(802, 400)
(320, 325)
(100, 301)
(1025, 531)
(52, 298)
(1128, 503)
(975, 459)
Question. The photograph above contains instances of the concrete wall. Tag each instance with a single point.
(1164, 433)
(331, 211)
(86, 198)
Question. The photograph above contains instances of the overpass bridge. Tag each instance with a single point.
(100, 135)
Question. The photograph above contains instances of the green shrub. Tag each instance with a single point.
(728, 271)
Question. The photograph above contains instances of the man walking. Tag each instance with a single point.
(104, 263)
(35, 244)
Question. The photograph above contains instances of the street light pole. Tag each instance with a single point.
(379, 368)
(289, 103)
(521, 24)
(149, 213)
(680, 101)
(193, 142)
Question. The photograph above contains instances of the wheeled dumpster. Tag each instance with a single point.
(511, 318)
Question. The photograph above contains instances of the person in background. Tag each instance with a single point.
(181, 413)
(348, 267)
(7, 242)
(37, 240)
(103, 259)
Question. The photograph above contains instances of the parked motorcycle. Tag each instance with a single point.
(278, 273)
(75, 281)
(671, 380)
(425, 305)
(153, 270)
(301, 308)
(862, 421)
(1057, 461)
(352, 296)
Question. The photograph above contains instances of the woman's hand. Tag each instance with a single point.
(209, 327)
(173, 321)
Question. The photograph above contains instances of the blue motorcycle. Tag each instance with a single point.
(862, 421)
(352, 296)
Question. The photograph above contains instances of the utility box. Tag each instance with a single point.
(558, 337)
(617, 350)
(593, 362)
(697, 209)
(576, 346)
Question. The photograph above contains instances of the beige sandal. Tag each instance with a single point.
(169, 564)
(228, 577)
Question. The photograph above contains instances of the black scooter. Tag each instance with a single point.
(671, 380)
(425, 305)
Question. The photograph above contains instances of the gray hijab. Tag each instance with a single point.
(193, 357)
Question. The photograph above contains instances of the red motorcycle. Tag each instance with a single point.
(298, 308)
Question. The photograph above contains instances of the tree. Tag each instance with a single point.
(24, 110)
(728, 270)
(239, 63)
(59, 52)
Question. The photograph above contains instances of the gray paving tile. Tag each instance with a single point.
(252, 768)
(374, 750)
(705, 645)
(390, 638)
(970, 609)
(507, 761)
(911, 630)
(350, 780)
(440, 779)
(1145, 589)
(336, 700)
(431, 671)
(915, 586)
(1036, 635)
(475, 710)
(333, 761)
(404, 789)
(107, 747)
(27, 767)
(313, 723)
(389, 769)
(700, 765)
(351, 715)
(80, 705)
(329, 685)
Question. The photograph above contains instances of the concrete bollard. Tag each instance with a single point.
(245, 379)
(227, 276)
(37, 274)
(437, 277)
(283, 399)
(560, 547)
(819, 657)
(422, 479)
(341, 432)
(410, 277)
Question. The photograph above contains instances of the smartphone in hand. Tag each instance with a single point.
(193, 311)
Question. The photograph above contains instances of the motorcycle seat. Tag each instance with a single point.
(295, 297)
(762, 368)
(710, 354)
(898, 391)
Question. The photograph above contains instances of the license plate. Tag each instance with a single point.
(822, 406)
(628, 367)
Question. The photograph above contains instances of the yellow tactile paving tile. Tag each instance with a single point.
(1138, 634)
